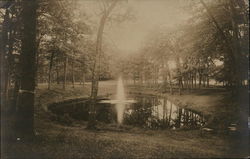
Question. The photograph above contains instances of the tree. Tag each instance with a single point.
(96, 64)
(10, 47)
(63, 37)
(25, 122)
(233, 31)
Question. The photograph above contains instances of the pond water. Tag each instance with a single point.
(145, 111)
(158, 112)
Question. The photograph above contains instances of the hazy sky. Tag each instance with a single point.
(150, 15)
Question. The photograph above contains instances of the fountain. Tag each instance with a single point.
(120, 97)
(120, 100)
(144, 110)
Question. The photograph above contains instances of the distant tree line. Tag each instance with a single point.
(213, 44)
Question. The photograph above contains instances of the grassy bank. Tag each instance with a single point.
(64, 142)
(216, 103)
(59, 141)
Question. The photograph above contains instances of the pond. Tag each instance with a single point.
(146, 111)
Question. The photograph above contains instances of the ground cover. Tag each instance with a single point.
(57, 140)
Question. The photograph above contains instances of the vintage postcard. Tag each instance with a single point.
(127, 79)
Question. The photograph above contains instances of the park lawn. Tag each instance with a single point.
(209, 101)
(64, 142)
(55, 140)
(215, 103)
(205, 100)
(44, 97)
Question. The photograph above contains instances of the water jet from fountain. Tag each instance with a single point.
(120, 97)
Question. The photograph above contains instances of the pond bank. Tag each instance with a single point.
(62, 141)
(214, 103)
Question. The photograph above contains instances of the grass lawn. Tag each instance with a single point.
(64, 142)
(57, 141)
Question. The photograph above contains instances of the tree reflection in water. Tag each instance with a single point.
(159, 113)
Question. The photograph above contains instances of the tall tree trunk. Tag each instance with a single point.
(236, 44)
(83, 78)
(179, 86)
(57, 75)
(178, 64)
(50, 68)
(170, 113)
(207, 80)
(170, 84)
(10, 60)
(192, 80)
(25, 112)
(164, 110)
(73, 71)
(195, 75)
(164, 84)
(96, 67)
(204, 81)
(65, 72)
(37, 59)
(16, 87)
(15, 93)
(200, 78)
(4, 38)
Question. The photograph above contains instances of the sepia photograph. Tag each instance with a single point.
(124, 79)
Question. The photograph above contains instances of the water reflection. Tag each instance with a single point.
(156, 112)
(140, 110)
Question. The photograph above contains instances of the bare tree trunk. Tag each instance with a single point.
(9, 61)
(164, 84)
(178, 64)
(195, 73)
(57, 75)
(96, 67)
(179, 86)
(156, 74)
(16, 87)
(25, 112)
(83, 79)
(200, 78)
(3, 62)
(65, 72)
(236, 44)
(73, 74)
(15, 93)
(170, 84)
(204, 81)
(207, 80)
(170, 113)
(164, 110)
(50, 68)
(37, 60)
(192, 80)
(184, 81)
